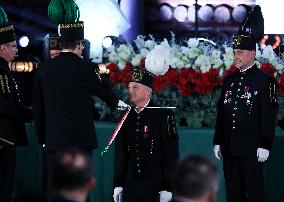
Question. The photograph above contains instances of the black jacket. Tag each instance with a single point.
(247, 111)
(146, 153)
(13, 114)
(63, 102)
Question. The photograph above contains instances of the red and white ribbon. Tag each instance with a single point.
(116, 130)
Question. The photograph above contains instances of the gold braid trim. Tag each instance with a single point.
(2, 83)
(72, 25)
(5, 29)
(273, 93)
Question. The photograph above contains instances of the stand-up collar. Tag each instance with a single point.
(249, 69)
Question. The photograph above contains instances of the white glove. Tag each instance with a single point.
(117, 194)
(165, 196)
(262, 154)
(122, 104)
(217, 152)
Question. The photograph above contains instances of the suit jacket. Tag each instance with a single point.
(12, 113)
(247, 111)
(63, 103)
(146, 153)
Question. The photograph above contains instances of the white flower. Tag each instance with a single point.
(173, 61)
(193, 53)
(215, 59)
(121, 65)
(112, 57)
(257, 52)
(221, 72)
(228, 57)
(157, 60)
(277, 65)
(140, 42)
(136, 60)
(150, 44)
(257, 64)
(124, 52)
(144, 52)
(268, 53)
(192, 42)
(203, 62)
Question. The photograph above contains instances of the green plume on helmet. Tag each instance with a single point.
(63, 11)
(3, 18)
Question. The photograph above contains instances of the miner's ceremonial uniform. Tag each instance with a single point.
(246, 117)
(146, 153)
(246, 121)
(246, 113)
(64, 87)
(63, 102)
(13, 114)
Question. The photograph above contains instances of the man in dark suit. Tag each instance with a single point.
(12, 113)
(246, 117)
(63, 90)
(195, 179)
(71, 176)
(146, 147)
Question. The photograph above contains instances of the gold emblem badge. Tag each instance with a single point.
(137, 76)
(52, 43)
(237, 41)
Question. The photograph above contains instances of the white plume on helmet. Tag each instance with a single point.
(158, 59)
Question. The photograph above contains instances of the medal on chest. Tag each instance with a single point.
(146, 129)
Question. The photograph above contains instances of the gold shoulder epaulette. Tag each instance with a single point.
(4, 82)
(171, 124)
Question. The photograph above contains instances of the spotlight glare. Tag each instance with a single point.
(24, 41)
(107, 42)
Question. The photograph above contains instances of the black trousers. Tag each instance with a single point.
(244, 179)
(7, 173)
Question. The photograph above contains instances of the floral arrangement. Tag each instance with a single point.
(197, 69)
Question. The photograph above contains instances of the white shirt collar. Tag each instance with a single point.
(246, 68)
(142, 108)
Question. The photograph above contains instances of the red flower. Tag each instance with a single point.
(267, 68)
(231, 70)
(112, 67)
(158, 84)
(281, 85)
(142, 62)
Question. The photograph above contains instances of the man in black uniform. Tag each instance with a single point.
(246, 118)
(146, 147)
(12, 113)
(63, 92)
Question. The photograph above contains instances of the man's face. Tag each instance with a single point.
(138, 93)
(9, 51)
(243, 58)
(54, 53)
(79, 49)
